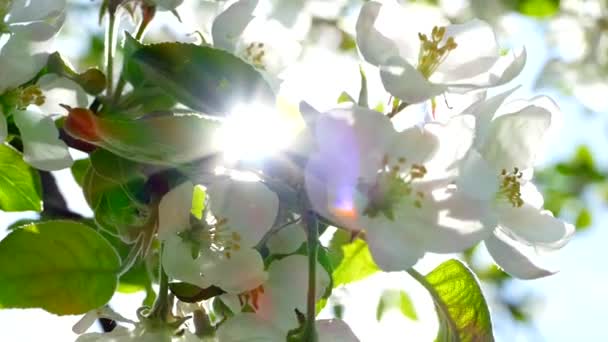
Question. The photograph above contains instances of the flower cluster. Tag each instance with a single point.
(248, 229)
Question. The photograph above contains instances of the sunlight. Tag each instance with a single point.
(254, 132)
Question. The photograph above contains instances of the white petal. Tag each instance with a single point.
(461, 223)
(179, 264)
(375, 47)
(455, 140)
(19, 63)
(287, 240)
(535, 227)
(174, 210)
(477, 178)
(24, 11)
(476, 52)
(356, 137)
(484, 111)
(334, 330)
(514, 139)
(416, 145)
(58, 90)
(242, 271)
(514, 258)
(287, 288)
(230, 24)
(85, 322)
(504, 70)
(382, 32)
(248, 327)
(42, 147)
(250, 208)
(39, 31)
(394, 245)
(403, 81)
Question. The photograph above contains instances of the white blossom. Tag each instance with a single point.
(421, 55)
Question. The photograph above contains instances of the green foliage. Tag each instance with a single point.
(395, 299)
(112, 187)
(564, 184)
(352, 260)
(63, 267)
(192, 294)
(538, 8)
(20, 188)
(209, 80)
(461, 307)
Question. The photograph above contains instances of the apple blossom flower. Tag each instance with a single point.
(27, 21)
(394, 185)
(217, 250)
(422, 60)
(497, 170)
(249, 327)
(275, 301)
(244, 30)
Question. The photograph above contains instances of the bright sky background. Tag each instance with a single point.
(573, 302)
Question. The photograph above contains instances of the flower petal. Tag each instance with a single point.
(24, 11)
(394, 245)
(287, 240)
(535, 227)
(42, 147)
(179, 264)
(477, 179)
(39, 31)
(484, 111)
(174, 210)
(382, 32)
(476, 53)
(242, 271)
(403, 81)
(334, 330)
(230, 24)
(514, 258)
(249, 208)
(375, 47)
(19, 64)
(514, 139)
(286, 290)
(247, 327)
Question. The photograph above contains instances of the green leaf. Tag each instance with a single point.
(461, 307)
(79, 170)
(113, 187)
(538, 8)
(203, 78)
(63, 267)
(584, 219)
(353, 261)
(192, 294)
(345, 98)
(20, 187)
(395, 299)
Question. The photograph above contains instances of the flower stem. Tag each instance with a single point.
(110, 53)
(312, 228)
(160, 309)
(122, 82)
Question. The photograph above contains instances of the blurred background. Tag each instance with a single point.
(567, 46)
